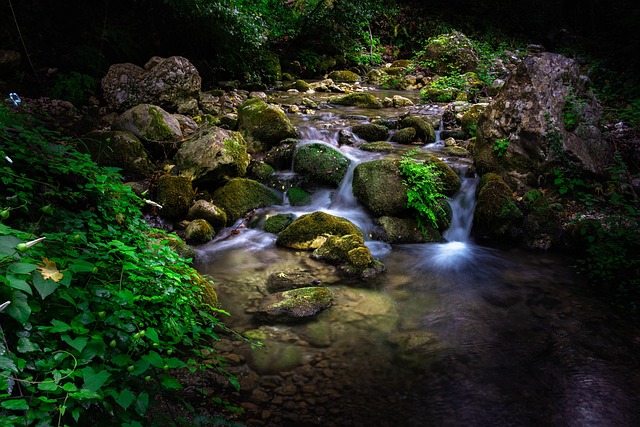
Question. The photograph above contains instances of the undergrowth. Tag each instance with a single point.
(98, 317)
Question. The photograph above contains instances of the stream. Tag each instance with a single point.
(452, 334)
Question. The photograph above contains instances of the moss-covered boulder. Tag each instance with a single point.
(371, 132)
(379, 146)
(175, 194)
(276, 223)
(118, 149)
(497, 217)
(449, 52)
(359, 99)
(449, 179)
(310, 231)
(199, 231)
(280, 157)
(424, 130)
(260, 171)
(301, 86)
(239, 196)
(321, 164)
(344, 76)
(265, 123)
(542, 227)
(174, 242)
(286, 281)
(294, 305)
(350, 254)
(469, 119)
(378, 186)
(212, 156)
(404, 136)
(404, 230)
(298, 197)
(203, 209)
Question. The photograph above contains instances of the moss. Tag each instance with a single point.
(199, 231)
(448, 177)
(120, 149)
(469, 120)
(496, 215)
(344, 76)
(404, 136)
(298, 197)
(365, 100)
(405, 230)
(304, 231)
(175, 194)
(276, 223)
(321, 164)
(381, 146)
(266, 123)
(378, 185)
(456, 151)
(261, 171)
(301, 86)
(424, 130)
(371, 132)
(160, 130)
(294, 305)
(239, 196)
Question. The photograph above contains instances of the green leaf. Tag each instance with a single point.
(155, 359)
(22, 268)
(19, 308)
(152, 335)
(170, 383)
(77, 343)
(125, 398)
(8, 245)
(25, 345)
(20, 284)
(93, 381)
(81, 266)
(6, 364)
(15, 404)
(59, 326)
(47, 386)
(69, 387)
(142, 404)
(174, 362)
(95, 347)
(85, 394)
(140, 367)
(45, 287)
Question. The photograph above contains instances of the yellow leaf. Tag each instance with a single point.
(49, 270)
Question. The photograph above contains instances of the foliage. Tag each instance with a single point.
(101, 315)
(74, 87)
(423, 190)
(500, 146)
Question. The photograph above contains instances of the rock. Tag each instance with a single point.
(454, 150)
(301, 86)
(404, 230)
(469, 119)
(212, 156)
(239, 196)
(381, 146)
(378, 186)
(260, 171)
(451, 51)
(321, 164)
(496, 215)
(166, 82)
(294, 305)
(344, 76)
(549, 118)
(203, 209)
(542, 228)
(364, 100)
(424, 130)
(264, 123)
(404, 136)
(285, 281)
(280, 157)
(199, 231)
(298, 197)
(277, 223)
(350, 254)
(309, 231)
(275, 358)
(401, 101)
(174, 194)
(371, 132)
(118, 149)
(175, 243)
(448, 177)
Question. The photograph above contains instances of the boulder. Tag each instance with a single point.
(449, 179)
(364, 100)
(277, 223)
(199, 231)
(404, 136)
(321, 164)
(549, 118)
(9, 62)
(378, 186)
(239, 196)
(379, 146)
(168, 82)
(310, 231)
(212, 156)
(496, 216)
(264, 123)
(344, 76)
(350, 254)
(371, 132)
(404, 230)
(424, 130)
(286, 281)
(119, 149)
(174, 194)
(449, 52)
(294, 305)
(203, 209)
(469, 119)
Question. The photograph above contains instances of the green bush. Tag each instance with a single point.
(101, 316)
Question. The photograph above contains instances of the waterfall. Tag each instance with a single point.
(462, 205)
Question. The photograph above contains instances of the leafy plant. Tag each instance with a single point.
(500, 146)
(423, 190)
(74, 87)
(102, 312)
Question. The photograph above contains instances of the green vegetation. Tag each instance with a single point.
(103, 315)
(423, 191)
(500, 146)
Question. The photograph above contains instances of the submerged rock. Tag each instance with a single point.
(365, 100)
(294, 305)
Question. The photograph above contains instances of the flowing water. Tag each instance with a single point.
(452, 334)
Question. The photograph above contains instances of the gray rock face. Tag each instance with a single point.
(169, 82)
(213, 155)
(548, 116)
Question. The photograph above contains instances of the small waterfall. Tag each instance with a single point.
(462, 205)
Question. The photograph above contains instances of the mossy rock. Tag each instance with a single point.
(263, 122)
(359, 99)
(371, 132)
(301, 86)
(294, 305)
(260, 171)
(280, 157)
(350, 254)
(404, 230)
(298, 197)
(119, 149)
(456, 151)
(404, 136)
(345, 76)
(239, 196)
(378, 186)
(437, 94)
(379, 146)
(276, 223)
(424, 130)
(401, 63)
(274, 358)
(199, 231)
(309, 231)
(321, 164)
(174, 242)
(469, 119)
(448, 177)
(174, 194)
(542, 227)
(286, 281)
(496, 215)
(203, 209)
(451, 51)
